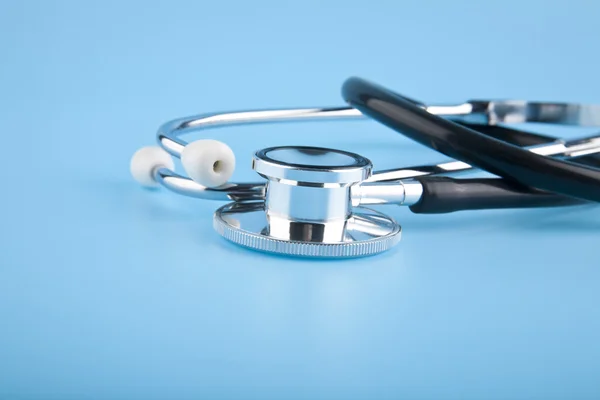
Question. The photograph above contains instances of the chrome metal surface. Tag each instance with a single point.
(230, 191)
(286, 205)
(401, 192)
(370, 193)
(308, 186)
(519, 111)
(413, 190)
(366, 232)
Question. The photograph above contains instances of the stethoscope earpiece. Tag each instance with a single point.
(208, 162)
(146, 161)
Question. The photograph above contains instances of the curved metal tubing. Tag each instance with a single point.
(483, 112)
(228, 192)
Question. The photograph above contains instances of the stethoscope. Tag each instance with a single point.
(312, 201)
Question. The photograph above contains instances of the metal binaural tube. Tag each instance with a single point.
(401, 192)
(474, 111)
(228, 192)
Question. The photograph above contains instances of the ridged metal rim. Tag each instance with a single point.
(307, 249)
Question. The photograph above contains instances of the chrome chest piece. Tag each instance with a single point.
(307, 210)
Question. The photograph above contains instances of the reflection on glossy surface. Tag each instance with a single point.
(311, 156)
(366, 232)
(309, 202)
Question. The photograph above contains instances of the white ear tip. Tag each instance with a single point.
(208, 162)
(146, 160)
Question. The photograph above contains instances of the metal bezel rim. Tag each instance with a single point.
(266, 166)
(306, 249)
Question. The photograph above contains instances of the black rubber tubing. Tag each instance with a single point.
(445, 195)
(461, 143)
(511, 135)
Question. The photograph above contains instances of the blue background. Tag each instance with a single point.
(111, 291)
